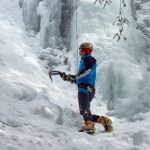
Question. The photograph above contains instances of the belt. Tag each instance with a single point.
(84, 85)
(88, 87)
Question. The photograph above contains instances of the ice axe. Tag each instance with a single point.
(51, 73)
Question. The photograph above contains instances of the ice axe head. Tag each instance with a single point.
(51, 73)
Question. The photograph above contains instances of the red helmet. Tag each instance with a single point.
(87, 47)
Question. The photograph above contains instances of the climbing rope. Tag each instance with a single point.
(77, 31)
(148, 47)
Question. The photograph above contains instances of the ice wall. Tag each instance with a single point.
(68, 8)
(51, 22)
(141, 13)
(52, 18)
(30, 16)
(50, 12)
(122, 77)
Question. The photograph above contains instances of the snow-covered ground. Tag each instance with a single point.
(46, 113)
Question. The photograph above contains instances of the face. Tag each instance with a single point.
(81, 53)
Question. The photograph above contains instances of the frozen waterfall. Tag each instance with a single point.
(122, 78)
(52, 18)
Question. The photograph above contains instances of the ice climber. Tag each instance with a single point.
(85, 80)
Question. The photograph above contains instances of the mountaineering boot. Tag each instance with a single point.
(88, 127)
(106, 122)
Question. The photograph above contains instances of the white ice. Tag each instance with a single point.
(47, 112)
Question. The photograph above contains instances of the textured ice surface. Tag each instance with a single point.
(122, 78)
(47, 112)
(52, 18)
(142, 11)
(30, 16)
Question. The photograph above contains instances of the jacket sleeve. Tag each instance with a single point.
(89, 62)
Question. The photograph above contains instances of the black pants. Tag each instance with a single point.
(84, 100)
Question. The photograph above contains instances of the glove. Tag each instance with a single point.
(71, 78)
(63, 76)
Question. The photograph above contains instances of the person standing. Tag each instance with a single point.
(85, 80)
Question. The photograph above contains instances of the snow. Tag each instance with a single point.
(46, 112)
